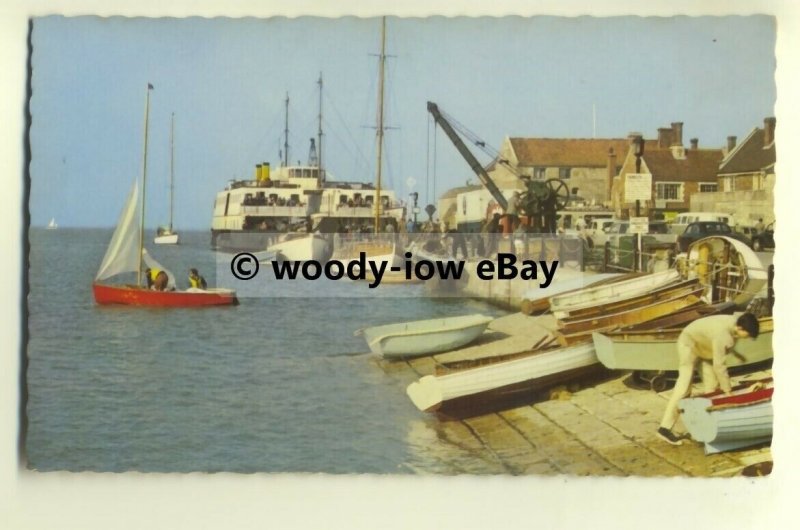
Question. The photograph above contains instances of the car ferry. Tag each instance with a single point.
(249, 214)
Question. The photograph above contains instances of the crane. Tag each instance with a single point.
(539, 202)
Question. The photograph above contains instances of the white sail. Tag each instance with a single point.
(151, 263)
(122, 254)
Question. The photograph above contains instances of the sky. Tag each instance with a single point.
(226, 81)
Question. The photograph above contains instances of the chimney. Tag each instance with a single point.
(664, 137)
(612, 170)
(678, 151)
(677, 133)
(769, 131)
(693, 141)
(731, 143)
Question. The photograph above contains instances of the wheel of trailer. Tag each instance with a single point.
(560, 191)
(659, 383)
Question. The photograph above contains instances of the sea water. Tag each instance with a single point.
(272, 385)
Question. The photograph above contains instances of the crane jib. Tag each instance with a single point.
(468, 156)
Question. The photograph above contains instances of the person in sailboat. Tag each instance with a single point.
(157, 280)
(708, 340)
(196, 281)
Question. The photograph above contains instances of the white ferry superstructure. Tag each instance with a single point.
(248, 213)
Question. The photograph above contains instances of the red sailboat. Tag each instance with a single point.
(126, 254)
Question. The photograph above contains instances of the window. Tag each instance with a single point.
(564, 172)
(705, 188)
(538, 173)
(726, 184)
(668, 191)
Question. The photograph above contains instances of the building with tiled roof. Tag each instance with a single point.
(586, 165)
(746, 166)
(675, 173)
(746, 178)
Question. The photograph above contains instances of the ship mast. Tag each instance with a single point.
(286, 134)
(382, 62)
(319, 130)
(171, 168)
(144, 180)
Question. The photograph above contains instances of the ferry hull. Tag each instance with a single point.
(140, 296)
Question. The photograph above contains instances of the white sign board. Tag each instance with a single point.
(639, 225)
(638, 187)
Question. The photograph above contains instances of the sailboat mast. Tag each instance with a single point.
(319, 128)
(382, 62)
(171, 168)
(144, 179)
(286, 134)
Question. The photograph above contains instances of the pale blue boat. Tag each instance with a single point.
(424, 337)
(727, 426)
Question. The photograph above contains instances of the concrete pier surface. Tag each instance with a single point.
(597, 426)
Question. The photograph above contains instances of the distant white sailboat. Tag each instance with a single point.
(52, 225)
(165, 234)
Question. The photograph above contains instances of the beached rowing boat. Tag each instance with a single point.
(465, 392)
(566, 304)
(658, 305)
(424, 337)
(724, 423)
(657, 350)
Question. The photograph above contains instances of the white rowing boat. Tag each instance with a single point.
(424, 337)
(562, 305)
(657, 350)
(461, 390)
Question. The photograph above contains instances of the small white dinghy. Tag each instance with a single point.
(424, 337)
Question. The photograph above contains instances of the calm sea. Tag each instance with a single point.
(273, 385)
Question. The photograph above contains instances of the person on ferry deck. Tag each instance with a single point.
(708, 340)
(196, 281)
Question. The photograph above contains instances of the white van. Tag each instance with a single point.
(682, 220)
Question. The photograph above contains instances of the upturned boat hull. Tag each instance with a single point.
(724, 423)
(140, 296)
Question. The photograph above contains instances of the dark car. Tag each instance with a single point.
(765, 239)
(699, 230)
(759, 240)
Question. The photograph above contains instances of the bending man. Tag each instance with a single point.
(708, 340)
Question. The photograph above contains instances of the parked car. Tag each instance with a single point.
(659, 230)
(695, 231)
(762, 240)
(679, 224)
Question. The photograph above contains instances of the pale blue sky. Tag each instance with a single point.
(226, 79)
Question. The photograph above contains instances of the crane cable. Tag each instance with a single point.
(480, 144)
